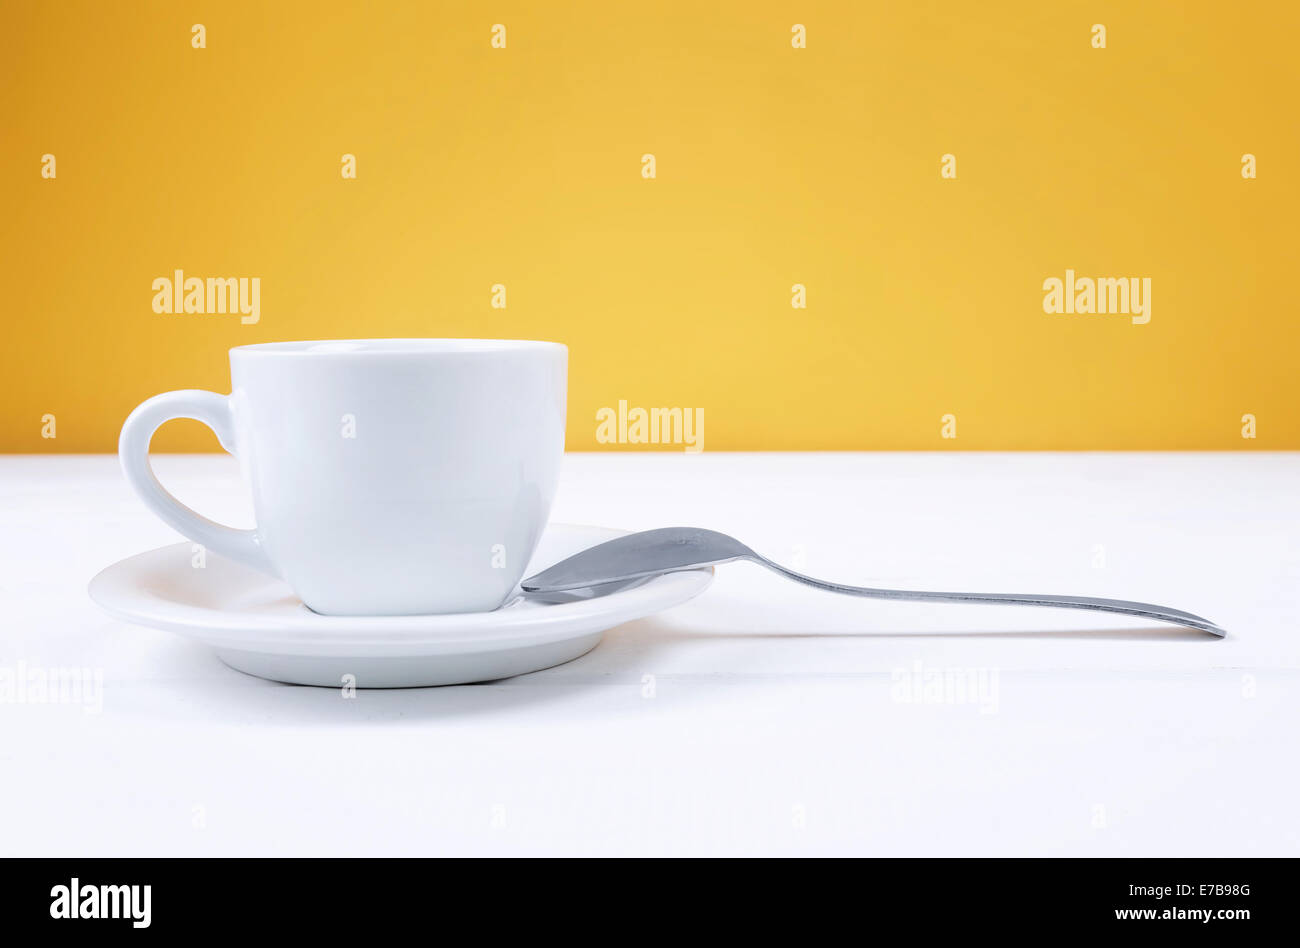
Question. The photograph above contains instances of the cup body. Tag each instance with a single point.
(400, 476)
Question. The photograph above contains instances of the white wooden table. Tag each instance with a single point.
(761, 718)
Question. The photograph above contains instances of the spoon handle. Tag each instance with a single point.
(1143, 610)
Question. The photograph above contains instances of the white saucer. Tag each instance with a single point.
(257, 625)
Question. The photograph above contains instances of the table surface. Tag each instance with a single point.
(760, 718)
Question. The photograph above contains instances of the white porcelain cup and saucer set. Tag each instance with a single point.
(401, 489)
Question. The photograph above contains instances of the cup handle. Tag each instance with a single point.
(133, 450)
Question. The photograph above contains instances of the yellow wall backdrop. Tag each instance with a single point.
(774, 166)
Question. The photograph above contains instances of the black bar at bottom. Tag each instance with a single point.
(612, 898)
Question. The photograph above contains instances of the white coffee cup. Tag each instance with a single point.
(389, 476)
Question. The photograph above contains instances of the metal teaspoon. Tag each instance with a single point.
(672, 549)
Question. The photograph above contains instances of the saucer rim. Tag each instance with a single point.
(112, 590)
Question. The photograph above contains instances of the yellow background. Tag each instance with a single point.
(775, 166)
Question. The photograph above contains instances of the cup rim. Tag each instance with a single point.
(390, 347)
